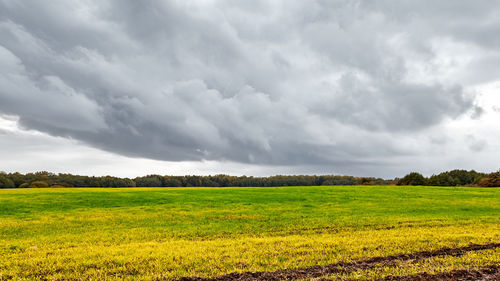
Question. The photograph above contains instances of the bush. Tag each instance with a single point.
(492, 180)
(412, 179)
(367, 181)
(38, 184)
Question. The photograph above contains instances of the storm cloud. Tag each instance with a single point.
(338, 83)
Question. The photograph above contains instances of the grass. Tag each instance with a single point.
(152, 233)
(431, 265)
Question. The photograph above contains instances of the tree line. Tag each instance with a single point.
(452, 178)
(47, 179)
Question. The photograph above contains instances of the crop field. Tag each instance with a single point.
(236, 233)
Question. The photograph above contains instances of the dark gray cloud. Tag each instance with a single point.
(275, 82)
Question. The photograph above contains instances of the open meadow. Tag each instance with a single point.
(170, 233)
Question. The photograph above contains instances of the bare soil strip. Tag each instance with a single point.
(491, 273)
(317, 271)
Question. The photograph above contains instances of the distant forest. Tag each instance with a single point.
(47, 179)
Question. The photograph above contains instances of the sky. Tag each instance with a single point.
(365, 88)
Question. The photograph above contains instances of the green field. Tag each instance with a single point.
(167, 233)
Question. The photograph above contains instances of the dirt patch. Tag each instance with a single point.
(491, 273)
(344, 267)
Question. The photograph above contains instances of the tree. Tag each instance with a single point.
(443, 179)
(5, 182)
(17, 178)
(456, 177)
(149, 181)
(412, 178)
(171, 181)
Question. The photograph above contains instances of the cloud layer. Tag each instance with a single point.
(333, 83)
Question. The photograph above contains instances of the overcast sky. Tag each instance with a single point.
(367, 88)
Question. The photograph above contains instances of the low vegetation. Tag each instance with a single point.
(170, 233)
(492, 180)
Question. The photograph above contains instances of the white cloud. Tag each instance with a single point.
(323, 86)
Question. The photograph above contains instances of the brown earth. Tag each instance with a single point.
(491, 273)
(318, 271)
